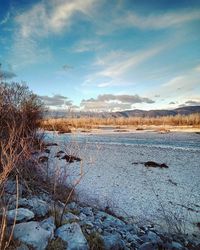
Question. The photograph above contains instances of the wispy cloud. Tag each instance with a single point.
(38, 22)
(27, 51)
(181, 86)
(112, 67)
(5, 19)
(161, 21)
(51, 17)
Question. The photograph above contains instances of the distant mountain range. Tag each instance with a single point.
(153, 113)
(127, 113)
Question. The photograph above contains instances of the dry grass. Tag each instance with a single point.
(67, 124)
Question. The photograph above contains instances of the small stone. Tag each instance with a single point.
(82, 217)
(176, 246)
(38, 206)
(109, 220)
(21, 214)
(147, 246)
(113, 242)
(69, 217)
(152, 237)
(87, 211)
(72, 206)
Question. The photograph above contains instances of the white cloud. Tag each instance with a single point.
(161, 21)
(51, 17)
(39, 21)
(110, 102)
(112, 68)
(123, 63)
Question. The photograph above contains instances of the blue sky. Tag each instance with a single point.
(104, 55)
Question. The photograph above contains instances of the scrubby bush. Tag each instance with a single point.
(20, 110)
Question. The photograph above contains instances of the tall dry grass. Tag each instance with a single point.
(66, 124)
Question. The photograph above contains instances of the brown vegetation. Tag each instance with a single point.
(20, 111)
(67, 124)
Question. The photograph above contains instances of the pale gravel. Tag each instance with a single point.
(110, 179)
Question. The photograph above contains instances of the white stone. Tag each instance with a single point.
(32, 234)
(22, 214)
(72, 234)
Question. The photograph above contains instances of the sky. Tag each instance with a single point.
(100, 55)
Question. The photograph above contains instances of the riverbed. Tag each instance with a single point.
(112, 174)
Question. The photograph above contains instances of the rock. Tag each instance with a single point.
(152, 237)
(174, 246)
(87, 211)
(148, 246)
(133, 238)
(72, 206)
(68, 218)
(72, 234)
(51, 144)
(113, 242)
(43, 159)
(32, 234)
(109, 220)
(59, 154)
(39, 207)
(11, 188)
(155, 164)
(82, 217)
(22, 247)
(22, 214)
(47, 151)
(49, 225)
(70, 158)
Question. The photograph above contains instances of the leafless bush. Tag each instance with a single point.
(20, 111)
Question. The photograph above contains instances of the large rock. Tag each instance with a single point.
(49, 225)
(32, 235)
(22, 214)
(38, 206)
(113, 242)
(73, 236)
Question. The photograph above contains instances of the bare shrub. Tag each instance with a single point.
(20, 111)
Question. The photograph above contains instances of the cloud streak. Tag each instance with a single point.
(51, 17)
(112, 68)
(161, 21)
(5, 19)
